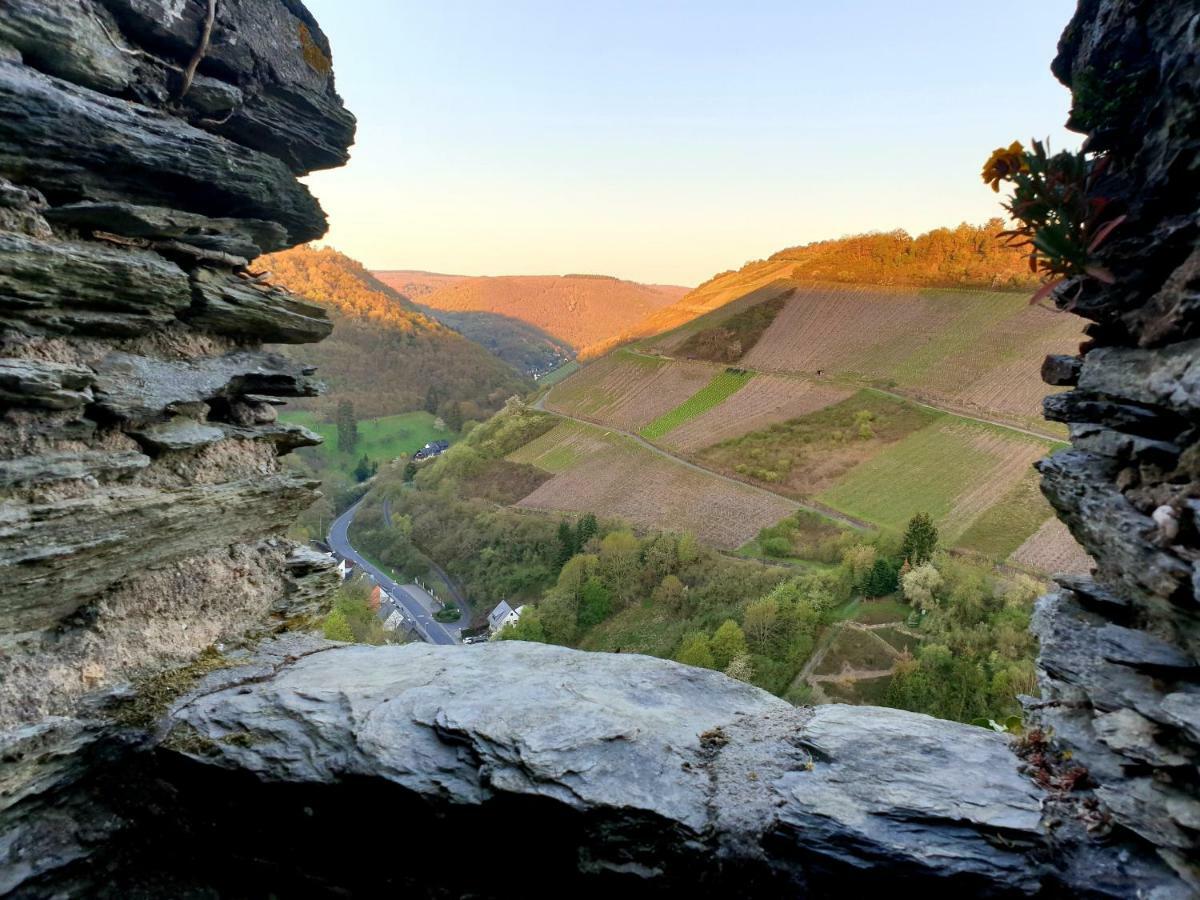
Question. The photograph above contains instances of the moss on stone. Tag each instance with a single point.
(155, 693)
(313, 55)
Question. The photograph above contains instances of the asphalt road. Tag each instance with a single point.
(404, 595)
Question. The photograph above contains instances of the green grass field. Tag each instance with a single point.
(381, 439)
(1003, 528)
(722, 386)
(928, 471)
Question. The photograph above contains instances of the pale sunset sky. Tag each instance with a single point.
(665, 141)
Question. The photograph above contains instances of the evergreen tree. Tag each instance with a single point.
(585, 530)
(920, 539)
(432, 400)
(884, 578)
(347, 427)
(567, 544)
(365, 469)
(410, 471)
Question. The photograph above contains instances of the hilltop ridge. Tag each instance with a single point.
(967, 257)
(577, 310)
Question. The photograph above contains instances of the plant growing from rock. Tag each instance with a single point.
(1057, 215)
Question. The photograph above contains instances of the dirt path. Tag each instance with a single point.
(814, 682)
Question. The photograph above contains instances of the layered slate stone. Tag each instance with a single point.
(1120, 681)
(665, 776)
(141, 492)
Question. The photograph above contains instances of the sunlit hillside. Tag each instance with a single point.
(384, 355)
(964, 257)
(577, 309)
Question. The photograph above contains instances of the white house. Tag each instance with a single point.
(503, 615)
(394, 621)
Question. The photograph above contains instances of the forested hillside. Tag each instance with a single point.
(384, 355)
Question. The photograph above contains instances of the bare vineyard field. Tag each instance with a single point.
(628, 390)
(670, 341)
(610, 475)
(1052, 549)
(767, 399)
(974, 352)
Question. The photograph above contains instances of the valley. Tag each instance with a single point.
(754, 456)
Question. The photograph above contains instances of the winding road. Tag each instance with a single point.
(406, 596)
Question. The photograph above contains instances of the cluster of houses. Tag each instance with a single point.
(392, 617)
(430, 450)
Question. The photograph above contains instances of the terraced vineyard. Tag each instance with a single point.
(766, 400)
(954, 470)
(608, 474)
(1052, 549)
(975, 352)
(721, 386)
(628, 390)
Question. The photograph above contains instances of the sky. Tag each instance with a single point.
(665, 141)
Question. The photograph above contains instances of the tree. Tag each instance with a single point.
(858, 561)
(575, 573)
(527, 628)
(432, 399)
(696, 651)
(594, 603)
(336, 628)
(741, 668)
(585, 529)
(920, 539)
(410, 471)
(620, 554)
(883, 578)
(670, 593)
(559, 614)
(365, 469)
(450, 412)
(920, 586)
(347, 427)
(567, 542)
(761, 623)
(728, 643)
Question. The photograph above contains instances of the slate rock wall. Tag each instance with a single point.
(141, 493)
(1120, 652)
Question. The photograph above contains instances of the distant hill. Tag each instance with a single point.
(968, 256)
(578, 310)
(384, 354)
(415, 284)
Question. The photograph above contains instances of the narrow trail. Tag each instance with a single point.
(540, 406)
(806, 675)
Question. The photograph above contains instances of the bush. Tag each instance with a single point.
(778, 547)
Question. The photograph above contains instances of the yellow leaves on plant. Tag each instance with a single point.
(1004, 163)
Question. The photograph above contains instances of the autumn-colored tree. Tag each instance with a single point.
(670, 593)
